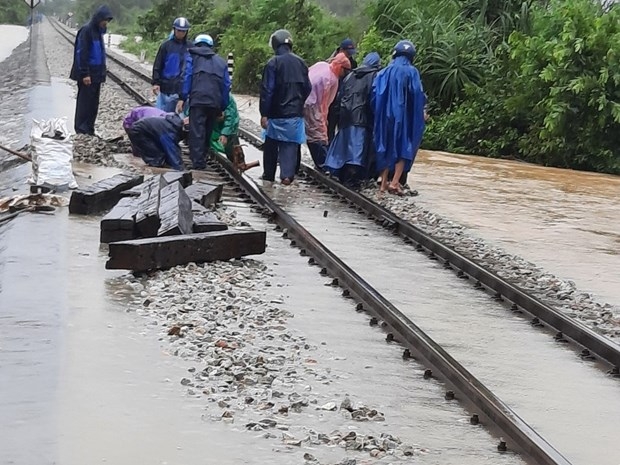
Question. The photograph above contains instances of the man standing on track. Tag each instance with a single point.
(347, 46)
(207, 85)
(169, 66)
(89, 69)
(398, 102)
(284, 89)
(324, 78)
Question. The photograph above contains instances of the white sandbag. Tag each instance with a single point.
(52, 154)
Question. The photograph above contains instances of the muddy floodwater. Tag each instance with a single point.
(84, 380)
(566, 221)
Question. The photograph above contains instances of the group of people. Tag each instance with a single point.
(379, 113)
(192, 86)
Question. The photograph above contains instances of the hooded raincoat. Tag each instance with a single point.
(140, 112)
(89, 51)
(398, 105)
(353, 140)
(324, 80)
(229, 127)
(156, 140)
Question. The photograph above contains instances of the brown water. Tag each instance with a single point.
(570, 402)
(566, 221)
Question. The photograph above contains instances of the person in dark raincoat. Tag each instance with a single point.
(169, 66)
(89, 69)
(398, 102)
(207, 85)
(347, 46)
(350, 156)
(136, 115)
(156, 139)
(285, 87)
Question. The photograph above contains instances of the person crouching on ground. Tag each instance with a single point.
(169, 65)
(207, 85)
(226, 129)
(134, 116)
(324, 78)
(350, 155)
(157, 138)
(398, 105)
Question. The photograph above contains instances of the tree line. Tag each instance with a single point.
(535, 80)
(13, 12)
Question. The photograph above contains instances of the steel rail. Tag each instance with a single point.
(593, 344)
(527, 440)
(524, 438)
(578, 333)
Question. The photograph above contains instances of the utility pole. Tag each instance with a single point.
(32, 4)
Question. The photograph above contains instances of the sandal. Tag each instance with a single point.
(396, 191)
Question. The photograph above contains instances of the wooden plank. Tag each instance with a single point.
(117, 235)
(138, 190)
(121, 216)
(175, 211)
(205, 193)
(119, 223)
(147, 216)
(206, 221)
(184, 177)
(102, 195)
(166, 252)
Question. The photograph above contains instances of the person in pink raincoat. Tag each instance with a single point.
(324, 78)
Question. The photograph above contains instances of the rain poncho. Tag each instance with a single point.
(140, 112)
(353, 140)
(398, 103)
(228, 127)
(324, 79)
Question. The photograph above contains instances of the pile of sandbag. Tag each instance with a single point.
(52, 154)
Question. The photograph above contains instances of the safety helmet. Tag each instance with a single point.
(280, 37)
(181, 24)
(204, 39)
(404, 48)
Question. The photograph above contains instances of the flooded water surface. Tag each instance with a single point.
(566, 221)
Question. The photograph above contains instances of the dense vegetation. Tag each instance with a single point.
(537, 80)
(13, 12)
(125, 13)
(243, 27)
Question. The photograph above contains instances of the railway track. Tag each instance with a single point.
(484, 405)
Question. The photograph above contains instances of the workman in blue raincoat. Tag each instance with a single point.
(284, 89)
(351, 153)
(207, 85)
(169, 66)
(398, 102)
(89, 69)
(156, 139)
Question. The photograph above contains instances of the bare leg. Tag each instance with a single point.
(384, 181)
(398, 171)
